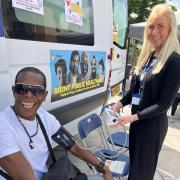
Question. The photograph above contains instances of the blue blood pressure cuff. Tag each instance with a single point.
(64, 138)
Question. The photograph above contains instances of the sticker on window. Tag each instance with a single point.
(35, 6)
(73, 11)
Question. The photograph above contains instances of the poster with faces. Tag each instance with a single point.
(35, 6)
(76, 71)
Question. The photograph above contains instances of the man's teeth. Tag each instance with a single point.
(28, 105)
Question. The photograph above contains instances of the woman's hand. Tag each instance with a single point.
(125, 119)
(117, 106)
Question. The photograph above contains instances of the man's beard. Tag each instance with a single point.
(73, 69)
(84, 72)
(93, 75)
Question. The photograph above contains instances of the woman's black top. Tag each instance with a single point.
(157, 90)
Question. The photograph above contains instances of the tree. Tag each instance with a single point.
(139, 9)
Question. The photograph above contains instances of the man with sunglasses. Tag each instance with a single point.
(23, 149)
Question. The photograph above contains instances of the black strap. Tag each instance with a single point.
(46, 138)
(5, 175)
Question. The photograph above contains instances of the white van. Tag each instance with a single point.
(48, 34)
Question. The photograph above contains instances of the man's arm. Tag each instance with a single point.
(17, 166)
(90, 158)
(67, 141)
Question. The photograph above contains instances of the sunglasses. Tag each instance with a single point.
(23, 89)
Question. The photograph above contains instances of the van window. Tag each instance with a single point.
(120, 21)
(51, 26)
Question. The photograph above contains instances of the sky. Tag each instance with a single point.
(175, 2)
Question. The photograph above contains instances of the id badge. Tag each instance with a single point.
(135, 99)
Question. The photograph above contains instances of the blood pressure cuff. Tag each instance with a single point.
(64, 138)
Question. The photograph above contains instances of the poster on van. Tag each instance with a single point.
(74, 72)
(35, 6)
(73, 11)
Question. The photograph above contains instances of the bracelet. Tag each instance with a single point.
(100, 166)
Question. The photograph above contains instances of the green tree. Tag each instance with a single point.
(139, 9)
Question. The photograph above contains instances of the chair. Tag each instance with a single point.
(90, 124)
(120, 139)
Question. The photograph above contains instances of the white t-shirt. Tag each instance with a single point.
(13, 138)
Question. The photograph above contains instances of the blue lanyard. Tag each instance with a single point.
(147, 68)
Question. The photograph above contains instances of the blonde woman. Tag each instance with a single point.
(153, 88)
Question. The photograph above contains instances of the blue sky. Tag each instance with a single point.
(175, 2)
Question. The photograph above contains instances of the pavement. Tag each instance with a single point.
(168, 167)
(169, 159)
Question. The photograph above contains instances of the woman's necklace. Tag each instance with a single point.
(31, 144)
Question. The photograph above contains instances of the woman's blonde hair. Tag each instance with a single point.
(168, 47)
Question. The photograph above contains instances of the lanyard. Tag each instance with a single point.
(147, 69)
(150, 65)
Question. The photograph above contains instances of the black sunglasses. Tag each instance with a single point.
(23, 89)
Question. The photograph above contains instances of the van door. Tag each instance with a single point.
(119, 51)
(70, 42)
